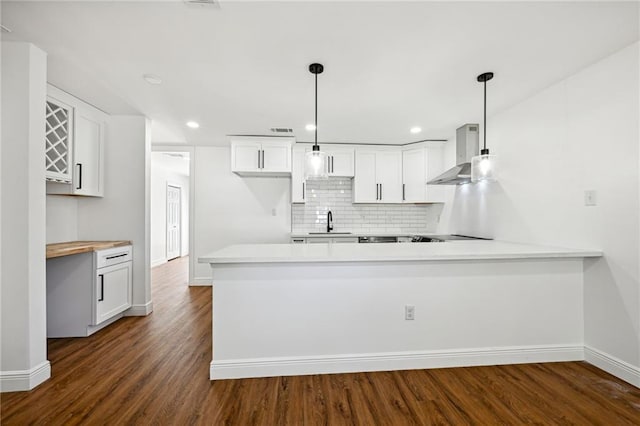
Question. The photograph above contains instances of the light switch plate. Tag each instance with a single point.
(590, 197)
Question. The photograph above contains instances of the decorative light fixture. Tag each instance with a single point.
(316, 160)
(483, 166)
(152, 79)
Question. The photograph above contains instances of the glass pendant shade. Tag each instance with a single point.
(315, 164)
(483, 168)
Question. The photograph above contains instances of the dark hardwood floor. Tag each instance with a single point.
(154, 370)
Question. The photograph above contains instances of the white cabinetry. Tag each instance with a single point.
(298, 184)
(340, 161)
(113, 282)
(58, 141)
(419, 164)
(261, 156)
(378, 176)
(88, 291)
(324, 240)
(85, 145)
(339, 164)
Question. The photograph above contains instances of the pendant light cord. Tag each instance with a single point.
(484, 127)
(316, 113)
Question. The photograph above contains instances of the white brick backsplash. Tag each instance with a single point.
(335, 194)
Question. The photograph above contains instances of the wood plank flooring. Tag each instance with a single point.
(154, 370)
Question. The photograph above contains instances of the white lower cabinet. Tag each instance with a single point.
(324, 240)
(113, 290)
(88, 291)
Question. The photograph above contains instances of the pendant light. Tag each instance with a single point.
(483, 166)
(316, 160)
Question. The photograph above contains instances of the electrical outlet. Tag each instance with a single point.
(409, 312)
(590, 198)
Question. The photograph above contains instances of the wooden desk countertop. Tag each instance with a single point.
(76, 247)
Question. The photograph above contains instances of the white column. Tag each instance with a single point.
(23, 351)
(124, 213)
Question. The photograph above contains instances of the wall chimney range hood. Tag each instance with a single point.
(467, 146)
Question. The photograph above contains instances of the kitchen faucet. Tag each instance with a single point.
(329, 221)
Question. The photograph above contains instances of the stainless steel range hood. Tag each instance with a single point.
(467, 146)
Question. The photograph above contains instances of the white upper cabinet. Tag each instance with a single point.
(378, 176)
(261, 156)
(85, 145)
(414, 174)
(298, 184)
(58, 141)
(419, 164)
(340, 161)
(89, 153)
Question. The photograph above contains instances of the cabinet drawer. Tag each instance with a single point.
(113, 256)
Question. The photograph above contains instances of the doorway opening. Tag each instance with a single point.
(170, 186)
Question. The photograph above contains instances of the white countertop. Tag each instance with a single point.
(338, 234)
(354, 252)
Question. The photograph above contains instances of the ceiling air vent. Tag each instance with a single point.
(281, 130)
(201, 3)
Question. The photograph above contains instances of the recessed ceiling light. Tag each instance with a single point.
(192, 124)
(152, 79)
(415, 130)
(310, 127)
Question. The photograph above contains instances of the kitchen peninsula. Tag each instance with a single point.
(290, 309)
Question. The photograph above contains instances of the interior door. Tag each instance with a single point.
(173, 221)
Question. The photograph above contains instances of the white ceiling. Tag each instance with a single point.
(241, 68)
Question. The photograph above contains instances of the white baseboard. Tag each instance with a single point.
(294, 366)
(24, 380)
(612, 365)
(158, 262)
(201, 282)
(139, 310)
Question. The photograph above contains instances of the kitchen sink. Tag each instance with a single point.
(329, 233)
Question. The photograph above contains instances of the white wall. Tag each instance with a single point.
(23, 349)
(230, 209)
(123, 213)
(163, 172)
(62, 218)
(579, 134)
